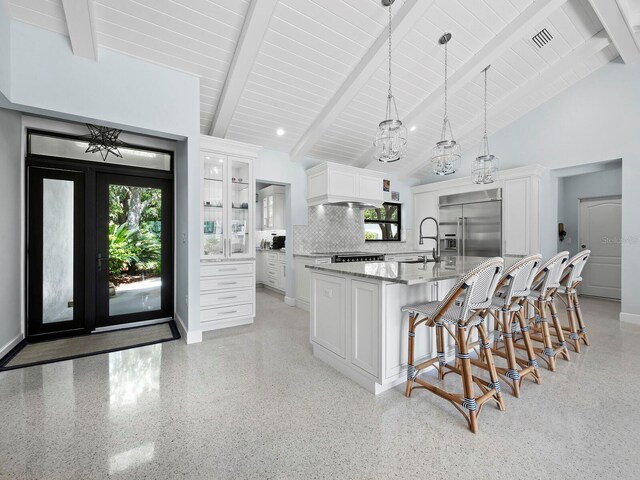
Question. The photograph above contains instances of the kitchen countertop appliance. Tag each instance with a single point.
(278, 242)
(471, 224)
(344, 257)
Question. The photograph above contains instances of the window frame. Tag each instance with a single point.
(397, 222)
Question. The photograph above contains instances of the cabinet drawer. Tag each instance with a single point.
(282, 258)
(222, 283)
(272, 258)
(218, 299)
(221, 313)
(226, 269)
(273, 282)
(272, 272)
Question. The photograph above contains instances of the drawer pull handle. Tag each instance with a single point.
(227, 298)
(230, 311)
(228, 283)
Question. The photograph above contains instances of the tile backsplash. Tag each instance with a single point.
(340, 229)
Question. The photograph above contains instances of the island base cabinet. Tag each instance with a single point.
(329, 321)
(358, 328)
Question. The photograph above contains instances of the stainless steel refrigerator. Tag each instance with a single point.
(471, 224)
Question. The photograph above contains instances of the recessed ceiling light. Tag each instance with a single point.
(412, 128)
(280, 132)
(207, 158)
(221, 160)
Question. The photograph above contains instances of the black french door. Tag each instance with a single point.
(55, 252)
(134, 260)
(99, 247)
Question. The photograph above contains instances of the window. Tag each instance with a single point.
(383, 224)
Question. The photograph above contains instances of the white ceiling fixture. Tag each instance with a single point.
(413, 128)
(446, 153)
(391, 137)
(82, 33)
(485, 165)
(253, 30)
(407, 17)
(280, 132)
(532, 16)
(618, 26)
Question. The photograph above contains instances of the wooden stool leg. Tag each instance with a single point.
(573, 329)
(512, 372)
(411, 369)
(559, 332)
(493, 374)
(440, 351)
(469, 400)
(546, 337)
(581, 328)
(531, 355)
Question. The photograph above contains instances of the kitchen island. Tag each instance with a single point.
(357, 325)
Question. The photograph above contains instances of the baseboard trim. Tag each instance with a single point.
(230, 322)
(301, 304)
(188, 336)
(11, 344)
(630, 318)
(291, 301)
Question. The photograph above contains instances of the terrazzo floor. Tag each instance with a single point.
(252, 402)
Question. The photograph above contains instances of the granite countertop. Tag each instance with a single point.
(407, 273)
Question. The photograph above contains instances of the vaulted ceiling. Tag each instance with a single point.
(317, 69)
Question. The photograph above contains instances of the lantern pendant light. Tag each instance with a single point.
(391, 138)
(445, 156)
(485, 166)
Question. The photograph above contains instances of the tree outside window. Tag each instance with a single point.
(383, 224)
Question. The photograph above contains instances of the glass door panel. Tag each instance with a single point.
(213, 194)
(240, 201)
(56, 294)
(134, 249)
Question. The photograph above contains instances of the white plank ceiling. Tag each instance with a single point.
(312, 46)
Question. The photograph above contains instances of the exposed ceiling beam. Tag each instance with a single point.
(254, 29)
(82, 32)
(565, 64)
(531, 17)
(403, 22)
(615, 21)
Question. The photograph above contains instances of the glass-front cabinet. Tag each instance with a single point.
(227, 206)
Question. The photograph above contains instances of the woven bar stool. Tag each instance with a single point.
(462, 310)
(541, 299)
(568, 293)
(506, 309)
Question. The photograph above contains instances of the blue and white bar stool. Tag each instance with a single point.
(462, 310)
(542, 299)
(506, 309)
(568, 293)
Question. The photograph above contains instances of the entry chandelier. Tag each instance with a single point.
(485, 166)
(391, 138)
(445, 156)
(104, 140)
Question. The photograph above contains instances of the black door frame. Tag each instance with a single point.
(90, 171)
(102, 317)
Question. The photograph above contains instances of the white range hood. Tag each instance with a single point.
(335, 184)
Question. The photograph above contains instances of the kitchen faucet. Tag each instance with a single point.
(436, 250)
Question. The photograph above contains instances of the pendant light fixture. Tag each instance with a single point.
(485, 166)
(445, 156)
(391, 138)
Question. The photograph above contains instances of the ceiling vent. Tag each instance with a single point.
(541, 38)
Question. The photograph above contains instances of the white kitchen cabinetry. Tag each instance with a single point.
(520, 216)
(336, 183)
(261, 266)
(227, 267)
(520, 207)
(303, 278)
(273, 207)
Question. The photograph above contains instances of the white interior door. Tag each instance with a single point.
(601, 232)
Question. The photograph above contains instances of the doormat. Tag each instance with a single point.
(27, 354)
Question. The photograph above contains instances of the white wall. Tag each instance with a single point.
(571, 189)
(120, 91)
(11, 279)
(595, 120)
